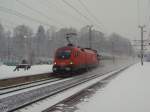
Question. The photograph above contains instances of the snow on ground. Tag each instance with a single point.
(129, 92)
(7, 71)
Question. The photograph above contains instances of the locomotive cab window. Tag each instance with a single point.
(63, 54)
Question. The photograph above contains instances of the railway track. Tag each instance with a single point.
(32, 86)
(91, 82)
(31, 96)
(26, 85)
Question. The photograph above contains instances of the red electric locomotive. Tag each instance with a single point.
(71, 58)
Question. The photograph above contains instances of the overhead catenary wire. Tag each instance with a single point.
(90, 13)
(38, 12)
(62, 12)
(77, 11)
(18, 14)
(30, 18)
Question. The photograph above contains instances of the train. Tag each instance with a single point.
(71, 58)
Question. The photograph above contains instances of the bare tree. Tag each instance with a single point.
(22, 41)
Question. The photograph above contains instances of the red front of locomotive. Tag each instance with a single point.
(63, 60)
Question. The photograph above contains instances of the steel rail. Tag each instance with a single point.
(28, 85)
(7, 87)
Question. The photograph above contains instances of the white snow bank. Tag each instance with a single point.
(7, 71)
(129, 92)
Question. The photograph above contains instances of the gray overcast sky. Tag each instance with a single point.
(120, 16)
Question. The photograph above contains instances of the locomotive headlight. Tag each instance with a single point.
(71, 62)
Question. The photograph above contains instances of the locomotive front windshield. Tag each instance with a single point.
(63, 54)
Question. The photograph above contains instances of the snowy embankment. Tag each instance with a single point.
(129, 92)
(7, 71)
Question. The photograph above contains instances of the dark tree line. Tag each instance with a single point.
(23, 43)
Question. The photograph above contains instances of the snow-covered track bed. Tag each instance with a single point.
(23, 99)
(80, 89)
